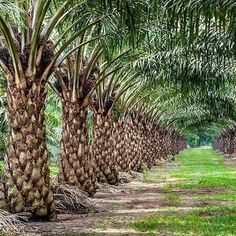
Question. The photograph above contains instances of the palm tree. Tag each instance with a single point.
(137, 129)
(102, 103)
(77, 78)
(28, 56)
(214, 18)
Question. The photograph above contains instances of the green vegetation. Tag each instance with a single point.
(228, 196)
(203, 169)
(103, 87)
(1, 167)
(146, 177)
(54, 170)
(199, 137)
(172, 198)
(205, 175)
(207, 222)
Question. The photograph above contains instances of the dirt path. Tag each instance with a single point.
(120, 205)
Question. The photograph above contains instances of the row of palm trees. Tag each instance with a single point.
(81, 49)
(43, 45)
(225, 143)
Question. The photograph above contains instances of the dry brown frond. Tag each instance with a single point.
(11, 224)
(69, 199)
(124, 177)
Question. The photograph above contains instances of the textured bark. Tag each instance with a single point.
(27, 180)
(77, 167)
(226, 143)
(163, 146)
(127, 151)
(102, 149)
(135, 146)
(118, 145)
(136, 151)
(3, 197)
(150, 146)
(138, 144)
(156, 144)
(143, 152)
(138, 162)
(169, 151)
(230, 146)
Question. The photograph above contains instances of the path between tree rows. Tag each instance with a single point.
(172, 189)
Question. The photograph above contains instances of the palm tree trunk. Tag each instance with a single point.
(150, 145)
(142, 147)
(156, 145)
(27, 181)
(118, 141)
(168, 145)
(134, 145)
(102, 149)
(127, 144)
(122, 145)
(162, 145)
(76, 166)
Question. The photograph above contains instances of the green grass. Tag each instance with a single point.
(146, 178)
(228, 196)
(207, 222)
(1, 167)
(198, 169)
(152, 176)
(203, 169)
(172, 198)
(54, 170)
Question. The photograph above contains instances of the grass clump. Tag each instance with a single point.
(146, 177)
(150, 177)
(227, 196)
(172, 198)
(54, 170)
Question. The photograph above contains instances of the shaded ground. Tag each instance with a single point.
(199, 182)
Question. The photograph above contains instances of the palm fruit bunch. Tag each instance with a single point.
(6, 59)
(91, 81)
(45, 49)
(109, 102)
(47, 54)
(88, 85)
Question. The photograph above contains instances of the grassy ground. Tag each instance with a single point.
(212, 213)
